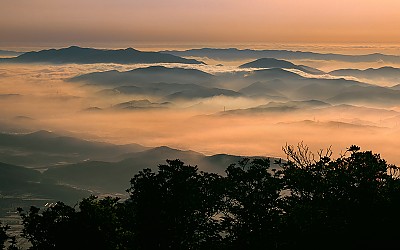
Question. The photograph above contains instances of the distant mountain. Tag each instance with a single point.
(276, 63)
(232, 54)
(350, 114)
(170, 91)
(16, 181)
(323, 89)
(269, 63)
(280, 82)
(267, 89)
(169, 83)
(385, 73)
(114, 177)
(43, 148)
(329, 125)
(203, 93)
(376, 95)
(274, 107)
(76, 54)
(152, 74)
(297, 104)
(8, 96)
(160, 89)
(92, 109)
(270, 74)
(11, 173)
(141, 104)
(361, 111)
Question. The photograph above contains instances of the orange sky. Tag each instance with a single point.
(35, 22)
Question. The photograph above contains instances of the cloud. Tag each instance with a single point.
(199, 125)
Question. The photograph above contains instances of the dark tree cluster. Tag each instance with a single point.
(307, 202)
(6, 240)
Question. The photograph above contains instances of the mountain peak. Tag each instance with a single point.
(131, 49)
(42, 133)
(74, 47)
(269, 63)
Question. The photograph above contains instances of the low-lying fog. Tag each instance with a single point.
(37, 97)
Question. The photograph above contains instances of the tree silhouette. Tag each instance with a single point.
(3, 235)
(175, 208)
(95, 225)
(252, 214)
(310, 201)
(340, 203)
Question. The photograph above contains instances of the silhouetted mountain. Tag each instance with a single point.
(273, 107)
(297, 104)
(361, 111)
(275, 73)
(232, 54)
(316, 108)
(323, 89)
(276, 63)
(76, 54)
(170, 91)
(23, 118)
(7, 96)
(384, 73)
(114, 177)
(92, 109)
(269, 63)
(376, 95)
(45, 148)
(16, 181)
(10, 174)
(141, 104)
(293, 86)
(311, 70)
(170, 83)
(329, 125)
(153, 74)
(202, 93)
(154, 89)
(264, 89)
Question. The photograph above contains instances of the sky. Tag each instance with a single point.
(50, 22)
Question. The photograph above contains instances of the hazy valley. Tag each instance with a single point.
(77, 121)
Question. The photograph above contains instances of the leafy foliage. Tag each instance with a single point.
(3, 235)
(6, 239)
(307, 202)
(175, 208)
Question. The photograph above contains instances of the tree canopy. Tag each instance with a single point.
(304, 202)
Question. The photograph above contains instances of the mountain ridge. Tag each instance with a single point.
(75, 54)
(282, 64)
(230, 54)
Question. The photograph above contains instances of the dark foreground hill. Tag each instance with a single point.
(23, 183)
(44, 148)
(90, 165)
(114, 176)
